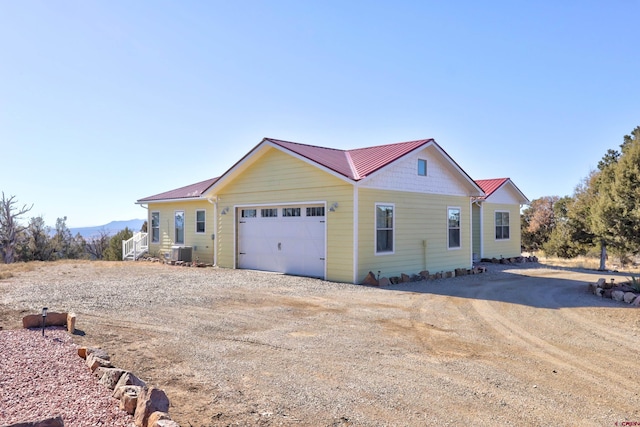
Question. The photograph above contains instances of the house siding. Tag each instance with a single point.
(201, 242)
(501, 248)
(278, 178)
(418, 218)
(477, 231)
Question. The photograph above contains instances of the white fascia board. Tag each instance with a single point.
(382, 169)
(150, 202)
(457, 167)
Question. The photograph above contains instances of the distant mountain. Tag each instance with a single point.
(112, 228)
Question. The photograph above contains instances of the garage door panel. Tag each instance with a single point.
(292, 245)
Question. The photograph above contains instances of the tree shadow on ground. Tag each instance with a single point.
(530, 284)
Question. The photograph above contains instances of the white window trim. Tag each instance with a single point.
(457, 248)
(495, 225)
(184, 218)
(196, 221)
(151, 226)
(375, 230)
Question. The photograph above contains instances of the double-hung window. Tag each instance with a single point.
(502, 225)
(453, 220)
(200, 221)
(155, 227)
(384, 228)
(179, 227)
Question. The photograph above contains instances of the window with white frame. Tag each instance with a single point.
(502, 225)
(453, 221)
(179, 227)
(200, 221)
(248, 213)
(290, 211)
(384, 228)
(422, 167)
(155, 227)
(317, 211)
(269, 213)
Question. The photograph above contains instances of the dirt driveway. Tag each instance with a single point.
(523, 346)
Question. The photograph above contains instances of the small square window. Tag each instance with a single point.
(319, 211)
(290, 211)
(268, 213)
(248, 213)
(422, 167)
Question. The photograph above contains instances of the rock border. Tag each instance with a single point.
(372, 280)
(621, 291)
(148, 405)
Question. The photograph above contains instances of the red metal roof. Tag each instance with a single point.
(192, 191)
(354, 164)
(490, 185)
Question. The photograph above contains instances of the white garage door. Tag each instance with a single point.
(286, 239)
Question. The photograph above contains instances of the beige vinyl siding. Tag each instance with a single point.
(278, 178)
(477, 230)
(418, 217)
(501, 248)
(201, 242)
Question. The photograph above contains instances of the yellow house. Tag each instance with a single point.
(328, 213)
(496, 218)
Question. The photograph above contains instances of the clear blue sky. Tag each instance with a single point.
(106, 102)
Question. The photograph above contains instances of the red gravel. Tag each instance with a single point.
(44, 377)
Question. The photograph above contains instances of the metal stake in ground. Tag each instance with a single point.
(44, 318)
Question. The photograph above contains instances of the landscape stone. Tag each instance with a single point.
(636, 301)
(424, 274)
(405, 278)
(110, 377)
(629, 297)
(128, 379)
(370, 280)
(606, 293)
(384, 282)
(592, 288)
(600, 292)
(128, 396)
(157, 416)
(150, 400)
(617, 295)
(166, 423)
(601, 282)
(47, 422)
(94, 362)
(71, 322)
(102, 354)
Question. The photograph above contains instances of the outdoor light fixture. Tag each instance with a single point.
(224, 211)
(44, 318)
(333, 207)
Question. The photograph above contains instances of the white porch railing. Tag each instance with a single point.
(136, 246)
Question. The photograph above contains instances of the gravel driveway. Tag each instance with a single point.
(514, 346)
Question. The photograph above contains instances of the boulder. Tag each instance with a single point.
(599, 292)
(370, 280)
(71, 322)
(439, 275)
(636, 301)
(94, 362)
(110, 377)
(405, 278)
(629, 297)
(52, 319)
(617, 295)
(157, 416)
(384, 282)
(47, 422)
(166, 423)
(448, 274)
(128, 379)
(424, 274)
(394, 280)
(86, 351)
(119, 391)
(606, 293)
(592, 288)
(150, 400)
(128, 396)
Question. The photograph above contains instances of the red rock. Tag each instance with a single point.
(150, 400)
(157, 416)
(71, 322)
(128, 379)
(370, 280)
(384, 282)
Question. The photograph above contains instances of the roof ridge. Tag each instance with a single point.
(354, 170)
(304, 145)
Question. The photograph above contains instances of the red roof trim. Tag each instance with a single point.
(192, 191)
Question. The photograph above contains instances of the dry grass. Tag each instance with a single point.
(9, 270)
(587, 263)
